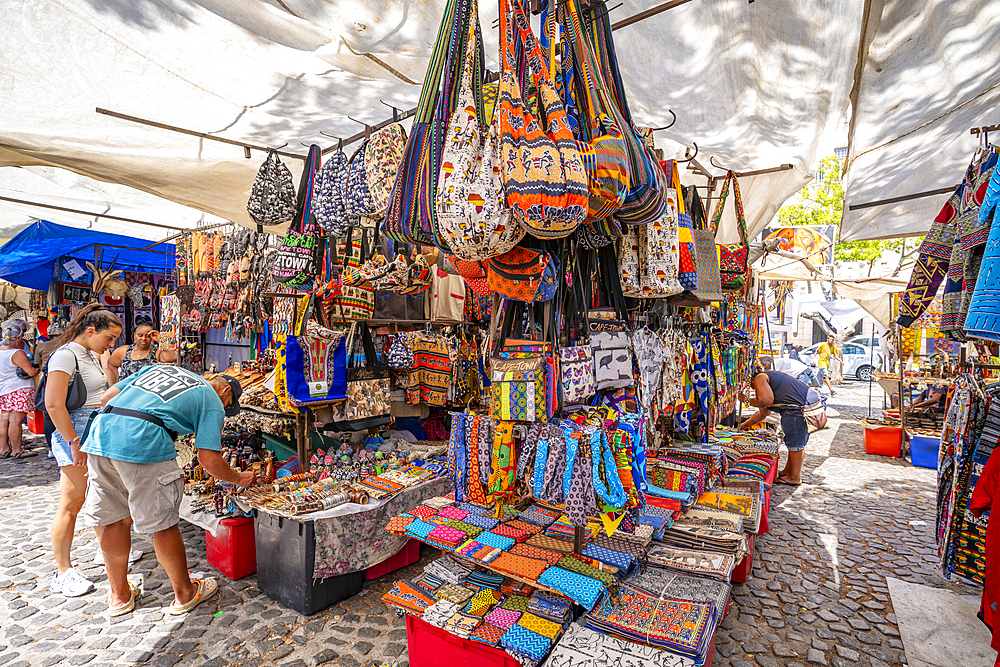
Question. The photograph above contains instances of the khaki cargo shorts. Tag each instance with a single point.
(148, 492)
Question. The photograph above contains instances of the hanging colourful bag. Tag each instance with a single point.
(471, 206)
(732, 257)
(411, 216)
(543, 174)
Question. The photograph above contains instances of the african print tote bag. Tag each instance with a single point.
(382, 157)
(633, 263)
(328, 196)
(296, 262)
(471, 206)
(663, 243)
(543, 174)
(518, 389)
(412, 214)
(733, 257)
(687, 271)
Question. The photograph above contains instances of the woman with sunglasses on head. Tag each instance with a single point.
(143, 351)
(86, 338)
(17, 389)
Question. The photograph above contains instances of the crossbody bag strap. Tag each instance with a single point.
(135, 414)
(740, 216)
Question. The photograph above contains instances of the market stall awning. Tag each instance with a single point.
(928, 75)
(756, 85)
(29, 259)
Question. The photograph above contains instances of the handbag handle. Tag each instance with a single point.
(740, 218)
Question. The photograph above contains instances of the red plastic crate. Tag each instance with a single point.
(408, 555)
(429, 646)
(233, 550)
(36, 422)
(742, 571)
(884, 441)
(764, 509)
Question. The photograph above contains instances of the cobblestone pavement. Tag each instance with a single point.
(818, 593)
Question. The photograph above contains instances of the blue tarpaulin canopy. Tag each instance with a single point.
(29, 258)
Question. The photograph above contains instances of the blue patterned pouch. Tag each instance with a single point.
(577, 587)
(494, 540)
(524, 642)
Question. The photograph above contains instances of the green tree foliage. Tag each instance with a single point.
(822, 203)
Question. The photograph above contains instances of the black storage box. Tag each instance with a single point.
(286, 558)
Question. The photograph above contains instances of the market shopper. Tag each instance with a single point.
(134, 471)
(983, 496)
(17, 389)
(81, 344)
(781, 393)
(143, 351)
(824, 353)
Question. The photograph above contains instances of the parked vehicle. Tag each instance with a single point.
(858, 359)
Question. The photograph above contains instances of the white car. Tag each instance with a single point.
(858, 360)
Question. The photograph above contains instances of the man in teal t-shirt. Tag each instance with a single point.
(134, 476)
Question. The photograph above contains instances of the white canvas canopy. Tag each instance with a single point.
(757, 85)
(928, 74)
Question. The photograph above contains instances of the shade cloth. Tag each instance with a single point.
(755, 84)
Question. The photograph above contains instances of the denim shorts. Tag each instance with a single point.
(60, 448)
(793, 424)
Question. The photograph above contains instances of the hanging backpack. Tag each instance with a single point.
(383, 157)
(357, 199)
(272, 199)
(296, 261)
(328, 196)
(543, 172)
(472, 210)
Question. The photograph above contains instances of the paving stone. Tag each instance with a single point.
(166, 660)
(784, 651)
(282, 651)
(815, 657)
(848, 654)
(858, 624)
(363, 648)
(324, 656)
(368, 632)
(766, 661)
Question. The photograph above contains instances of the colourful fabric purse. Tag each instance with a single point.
(543, 174)
(687, 254)
(663, 242)
(732, 258)
(518, 389)
(524, 275)
(472, 209)
(315, 369)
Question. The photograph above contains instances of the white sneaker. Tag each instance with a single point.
(133, 556)
(55, 586)
(72, 584)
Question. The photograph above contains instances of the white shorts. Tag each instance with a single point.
(148, 492)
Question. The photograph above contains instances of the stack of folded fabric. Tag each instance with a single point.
(703, 538)
(665, 583)
(483, 579)
(448, 570)
(709, 564)
(582, 647)
(446, 537)
(554, 607)
(428, 582)
(678, 626)
(439, 612)
(540, 516)
(454, 593)
(408, 598)
(462, 624)
(531, 637)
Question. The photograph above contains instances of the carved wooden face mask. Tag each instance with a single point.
(116, 288)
